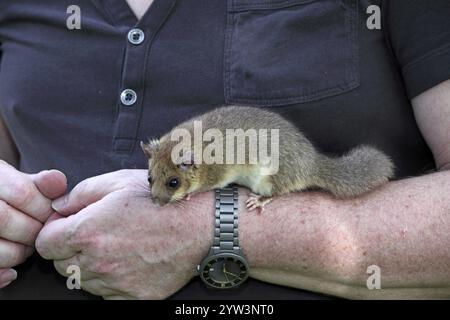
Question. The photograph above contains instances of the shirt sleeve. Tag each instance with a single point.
(419, 34)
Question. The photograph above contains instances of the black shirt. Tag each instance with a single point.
(315, 62)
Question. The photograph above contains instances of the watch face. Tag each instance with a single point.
(224, 270)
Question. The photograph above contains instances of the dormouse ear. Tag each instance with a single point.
(185, 166)
(187, 161)
(146, 149)
(150, 147)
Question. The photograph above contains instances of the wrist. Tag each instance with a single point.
(252, 236)
(224, 266)
(200, 212)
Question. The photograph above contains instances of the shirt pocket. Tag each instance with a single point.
(290, 51)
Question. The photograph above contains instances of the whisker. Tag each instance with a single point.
(141, 194)
(180, 204)
(143, 185)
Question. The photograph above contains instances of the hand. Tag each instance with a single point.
(124, 245)
(24, 206)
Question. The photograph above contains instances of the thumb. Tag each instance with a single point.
(51, 183)
(89, 191)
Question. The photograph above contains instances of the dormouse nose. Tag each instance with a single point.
(160, 199)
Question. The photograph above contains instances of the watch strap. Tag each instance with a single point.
(226, 237)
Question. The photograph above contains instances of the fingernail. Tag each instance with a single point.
(59, 203)
(8, 276)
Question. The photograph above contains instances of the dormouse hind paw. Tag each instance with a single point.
(256, 201)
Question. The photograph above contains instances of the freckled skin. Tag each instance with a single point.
(411, 248)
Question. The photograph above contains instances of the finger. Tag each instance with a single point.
(89, 191)
(19, 191)
(62, 266)
(16, 226)
(63, 237)
(52, 183)
(12, 254)
(53, 217)
(89, 281)
(118, 297)
(7, 276)
(5, 284)
(56, 241)
(99, 288)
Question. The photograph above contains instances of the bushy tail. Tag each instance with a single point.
(361, 170)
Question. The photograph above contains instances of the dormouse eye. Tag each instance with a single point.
(173, 183)
(150, 181)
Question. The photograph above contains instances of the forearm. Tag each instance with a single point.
(312, 241)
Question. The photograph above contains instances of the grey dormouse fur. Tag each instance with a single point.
(301, 166)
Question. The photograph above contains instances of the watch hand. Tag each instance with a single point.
(226, 277)
(226, 272)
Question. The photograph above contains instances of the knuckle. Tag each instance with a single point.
(90, 242)
(85, 236)
(82, 188)
(85, 185)
(22, 191)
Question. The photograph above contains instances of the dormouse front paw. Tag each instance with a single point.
(256, 201)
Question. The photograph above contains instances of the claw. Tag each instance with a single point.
(256, 201)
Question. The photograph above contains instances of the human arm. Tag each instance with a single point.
(403, 228)
(127, 248)
(305, 240)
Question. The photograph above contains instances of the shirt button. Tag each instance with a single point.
(136, 36)
(128, 97)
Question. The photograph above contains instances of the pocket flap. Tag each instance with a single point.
(243, 5)
(293, 54)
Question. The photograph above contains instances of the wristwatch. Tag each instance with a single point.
(225, 267)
